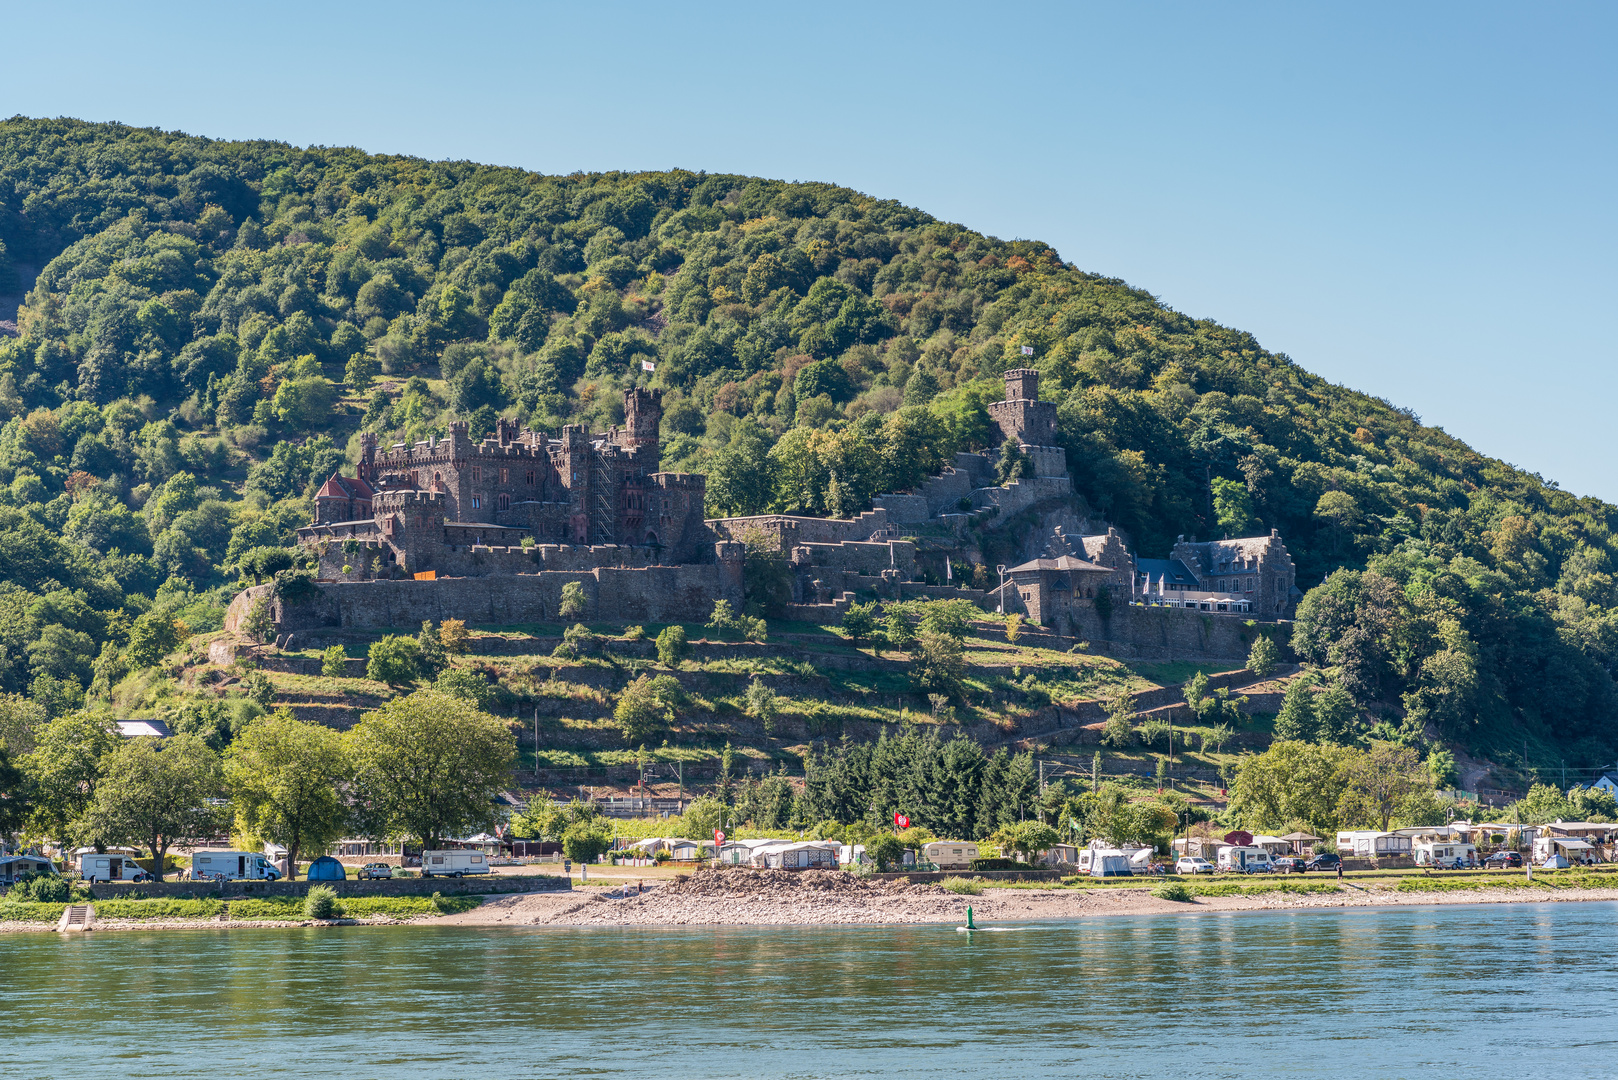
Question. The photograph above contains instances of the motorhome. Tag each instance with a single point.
(1245, 859)
(1446, 853)
(454, 863)
(851, 855)
(950, 854)
(232, 866)
(804, 855)
(109, 867)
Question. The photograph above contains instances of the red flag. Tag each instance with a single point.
(718, 837)
(900, 821)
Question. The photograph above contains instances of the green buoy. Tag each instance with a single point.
(969, 925)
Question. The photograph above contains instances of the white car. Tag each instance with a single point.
(1190, 864)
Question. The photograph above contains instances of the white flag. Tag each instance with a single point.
(647, 365)
(1028, 350)
(949, 571)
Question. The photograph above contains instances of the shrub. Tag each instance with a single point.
(321, 903)
(1013, 627)
(999, 864)
(962, 886)
(672, 647)
(634, 633)
(333, 662)
(394, 660)
(1173, 890)
(29, 911)
(204, 908)
(573, 601)
(887, 850)
(583, 640)
(1261, 659)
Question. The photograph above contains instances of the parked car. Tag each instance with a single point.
(1503, 860)
(375, 870)
(1326, 860)
(1191, 864)
(1289, 864)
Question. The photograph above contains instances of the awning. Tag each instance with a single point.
(1572, 845)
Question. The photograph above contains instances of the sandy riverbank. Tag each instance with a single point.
(787, 898)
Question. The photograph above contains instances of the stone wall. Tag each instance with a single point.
(255, 890)
(657, 594)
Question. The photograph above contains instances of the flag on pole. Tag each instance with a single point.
(647, 365)
(1028, 350)
(718, 837)
(949, 571)
(900, 821)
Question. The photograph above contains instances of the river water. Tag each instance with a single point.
(1459, 991)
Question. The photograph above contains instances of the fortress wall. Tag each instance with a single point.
(684, 593)
(864, 557)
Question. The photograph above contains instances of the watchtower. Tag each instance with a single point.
(1022, 417)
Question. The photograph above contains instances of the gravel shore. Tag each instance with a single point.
(736, 897)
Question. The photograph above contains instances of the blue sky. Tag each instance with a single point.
(1413, 200)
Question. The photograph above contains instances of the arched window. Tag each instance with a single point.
(505, 501)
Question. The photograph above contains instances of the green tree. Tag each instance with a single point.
(573, 601)
(283, 776)
(431, 658)
(1377, 781)
(645, 707)
(1119, 729)
(16, 796)
(584, 841)
(1262, 657)
(762, 704)
(334, 662)
(940, 664)
(453, 637)
(1013, 464)
(859, 622)
(897, 631)
(1291, 782)
(1442, 769)
(1336, 716)
(672, 648)
(1233, 507)
(260, 622)
(69, 760)
(468, 684)
(156, 792)
(394, 660)
(430, 765)
(1297, 720)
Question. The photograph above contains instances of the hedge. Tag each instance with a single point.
(30, 911)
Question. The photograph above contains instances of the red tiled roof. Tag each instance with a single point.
(345, 487)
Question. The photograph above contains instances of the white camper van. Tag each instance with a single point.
(1245, 859)
(233, 866)
(950, 854)
(453, 863)
(94, 868)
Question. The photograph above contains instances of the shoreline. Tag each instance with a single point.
(783, 902)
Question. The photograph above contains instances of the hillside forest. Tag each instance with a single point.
(205, 327)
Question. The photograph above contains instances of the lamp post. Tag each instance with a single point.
(1001, 570)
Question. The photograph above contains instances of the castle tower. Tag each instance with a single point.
(1022, 417)
(367, 467)
(643, 412)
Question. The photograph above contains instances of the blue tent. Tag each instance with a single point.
(326, 868)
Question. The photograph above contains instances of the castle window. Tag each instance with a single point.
(505, 501)
(477, 474)
(477, 503)
(530, 477)
(505, 476)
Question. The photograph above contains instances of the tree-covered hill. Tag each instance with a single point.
(215, 321)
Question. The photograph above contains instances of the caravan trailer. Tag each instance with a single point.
(950, 854)
(454, 863)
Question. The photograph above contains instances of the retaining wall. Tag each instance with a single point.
(244, 890)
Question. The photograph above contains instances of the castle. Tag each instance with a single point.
(427, 507)
(417, 531)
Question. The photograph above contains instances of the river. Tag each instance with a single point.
(1456, 991)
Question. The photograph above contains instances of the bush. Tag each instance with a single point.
(321, 903)
(1000, 864)
(158, 909)
(962, 886)
(887, 850)
(333, 662)
(29, 911)
(634, 633)
(1173, 890)
(672, 647)
(394, 660)
(573, 601)
(1262, 658)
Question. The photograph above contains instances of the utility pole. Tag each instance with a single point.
(1042, 776)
